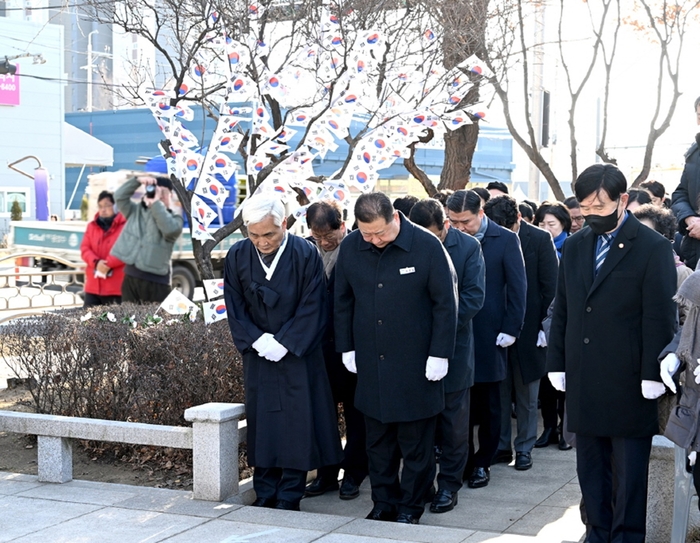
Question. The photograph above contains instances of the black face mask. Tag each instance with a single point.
(600, 224)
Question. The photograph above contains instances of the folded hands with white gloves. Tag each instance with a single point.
(349, 361)
(504, 340)
(268, 347)
(435, 368)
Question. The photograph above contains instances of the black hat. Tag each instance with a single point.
(162, 181)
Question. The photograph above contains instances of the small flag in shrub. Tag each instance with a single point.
(214, 311)
(177, 303)
(214, 288)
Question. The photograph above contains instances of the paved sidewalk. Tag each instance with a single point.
(517, 507)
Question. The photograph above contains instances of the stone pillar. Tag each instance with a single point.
(661, 487)
(215, 449)
(55, 459)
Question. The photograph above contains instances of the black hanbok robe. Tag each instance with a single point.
(289, 407)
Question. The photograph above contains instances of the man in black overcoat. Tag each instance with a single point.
(395, 323)
(453, 422)
(275, 295)
(325, 221)
(613, 314)
(496, 326)
(526, 357)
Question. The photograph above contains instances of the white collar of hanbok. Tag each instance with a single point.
(270, 270)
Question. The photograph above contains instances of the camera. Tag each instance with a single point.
(150, 191)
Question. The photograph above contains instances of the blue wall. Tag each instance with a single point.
(133, 133)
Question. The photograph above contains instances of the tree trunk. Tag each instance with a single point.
(459, 152)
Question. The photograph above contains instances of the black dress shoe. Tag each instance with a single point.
(444, 501)
(406, 518)
(287, 506)
(479, 478)
(264, 502)
(549, 437)
(320, 486)
(348, 489)
(502, 457)
(563, 445)
(380, 514)
(523, 461)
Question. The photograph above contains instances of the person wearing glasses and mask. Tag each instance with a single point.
(613, 314)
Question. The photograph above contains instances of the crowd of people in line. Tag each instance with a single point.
(434, 322)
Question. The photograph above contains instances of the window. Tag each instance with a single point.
(8, 197)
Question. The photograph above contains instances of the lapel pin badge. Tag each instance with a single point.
(621, 245)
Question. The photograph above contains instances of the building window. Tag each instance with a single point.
(3, 6)
(8, 197)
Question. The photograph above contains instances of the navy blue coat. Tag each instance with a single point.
(465, 253)
(608, 330)
(395, 308)
(504, 305)
(289, 407)
(541, 266)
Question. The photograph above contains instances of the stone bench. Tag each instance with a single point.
(214, 437)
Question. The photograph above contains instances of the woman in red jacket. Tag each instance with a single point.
(104, 273)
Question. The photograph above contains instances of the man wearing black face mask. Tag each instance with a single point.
(613, 311)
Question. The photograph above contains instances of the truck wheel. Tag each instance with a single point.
(184, 280)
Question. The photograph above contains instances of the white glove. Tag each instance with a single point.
(696, 372)
(274, 350)
(692, 457)
(435, 368)
(349, 361)
(669, 365)
(652, 389)
(504, 340)
(541, 339)
(262, 342)
(558, 380)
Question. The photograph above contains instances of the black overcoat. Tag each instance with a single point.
(608, 330)
(465, 253)
(504, 305)
(395, 308)
(541, 265)
(290, 411)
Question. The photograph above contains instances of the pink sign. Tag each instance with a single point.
(9, 89)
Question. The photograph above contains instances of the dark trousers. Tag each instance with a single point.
(453, 432)
(343, 385)
(92, 300)
(387, 445)
(279, 483)
(551, 404)
(612, 473)
(486, 414)
(142, 291)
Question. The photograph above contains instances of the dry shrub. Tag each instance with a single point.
(110, 370)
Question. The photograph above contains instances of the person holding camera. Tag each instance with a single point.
(146, 242)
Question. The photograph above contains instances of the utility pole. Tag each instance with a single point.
(533, 186)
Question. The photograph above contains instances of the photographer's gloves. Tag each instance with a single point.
(435, 368)
(349, 361)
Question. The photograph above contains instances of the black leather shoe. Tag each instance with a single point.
(502, 457)
(320, 486)
(380, 514)
(264, 502)
(348, 489)
(444, 501)
(563, 445)
(406, 518)
(480, 477)
(549, 437)
(287, 506)
(523, 461)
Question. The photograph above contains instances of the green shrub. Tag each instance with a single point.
(16, 211)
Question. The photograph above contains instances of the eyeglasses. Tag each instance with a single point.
(578, 219)
(331, 236)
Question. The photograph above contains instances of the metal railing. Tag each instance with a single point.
(32, 283)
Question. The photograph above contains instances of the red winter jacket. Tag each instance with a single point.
(96, 246)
